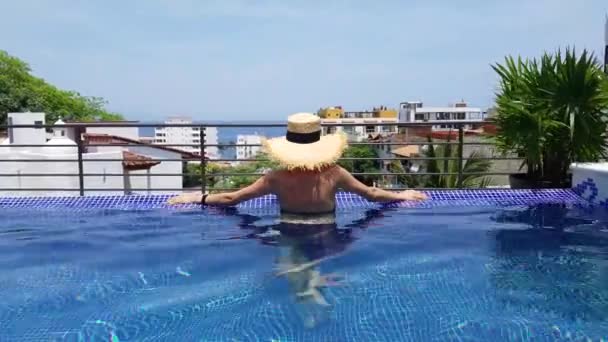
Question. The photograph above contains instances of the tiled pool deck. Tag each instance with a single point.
(456, 198)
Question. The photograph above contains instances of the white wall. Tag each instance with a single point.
(104, 169)
(144, 179)
(157, 182)
(69, 166)
(23, 136)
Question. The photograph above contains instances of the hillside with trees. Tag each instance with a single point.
(21, 91)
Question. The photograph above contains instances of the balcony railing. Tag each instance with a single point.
(40, 172)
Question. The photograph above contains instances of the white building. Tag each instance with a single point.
(25, 136)
(187, 135)
(130, 132)
(132, 170)
(248, 152)
(365, 125)
(363, 130)
(416, 112)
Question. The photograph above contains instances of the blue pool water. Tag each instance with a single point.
(475, 273)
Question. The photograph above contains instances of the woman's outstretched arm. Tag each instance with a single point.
(349, 183)
(259, 188)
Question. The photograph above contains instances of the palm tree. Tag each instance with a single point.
(552, 111)
(446, 169)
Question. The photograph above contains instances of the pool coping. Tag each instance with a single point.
(437, 198)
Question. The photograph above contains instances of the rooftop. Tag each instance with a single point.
(118, 122)
(107, 139)
(447, 109)
(406, 151)
(134, 161)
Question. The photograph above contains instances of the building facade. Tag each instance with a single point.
(363, 123)
(187, 135)
(416, 112)
(243, 151)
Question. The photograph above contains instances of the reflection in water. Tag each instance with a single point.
(558, 264)
(304, 243)
(547, 215)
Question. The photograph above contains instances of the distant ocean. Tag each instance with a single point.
(228, 135)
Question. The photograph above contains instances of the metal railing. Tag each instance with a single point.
(8, 153)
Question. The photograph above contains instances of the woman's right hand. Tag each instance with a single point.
(412, 195)
(185, 198)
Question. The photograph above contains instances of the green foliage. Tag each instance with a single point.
(193, 177)
(20, 91)
(448, 169)
(260, 165)
(234, 180)
(552, 111)
(263, 164)
(362, 166)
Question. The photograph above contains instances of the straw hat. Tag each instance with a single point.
(303, 147)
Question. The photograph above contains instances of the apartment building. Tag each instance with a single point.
(187, 136)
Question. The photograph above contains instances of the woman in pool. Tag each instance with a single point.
(310, 177)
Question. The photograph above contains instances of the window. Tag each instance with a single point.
(348, 129)
(419, 117)
(460, 116)
(196, 129)
(38, 123)
(161, 134)
(442, 116)
(370, 129)
(195, 134)
(196, 141)
(331, 130)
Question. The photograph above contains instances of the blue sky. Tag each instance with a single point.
(238, 59)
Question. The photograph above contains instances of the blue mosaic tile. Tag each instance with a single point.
(439, 198)
(589, 191)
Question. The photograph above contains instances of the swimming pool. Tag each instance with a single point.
(482, 266)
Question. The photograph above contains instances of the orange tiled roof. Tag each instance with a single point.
(134, 161)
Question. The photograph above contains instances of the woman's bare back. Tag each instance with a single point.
(305, 191)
